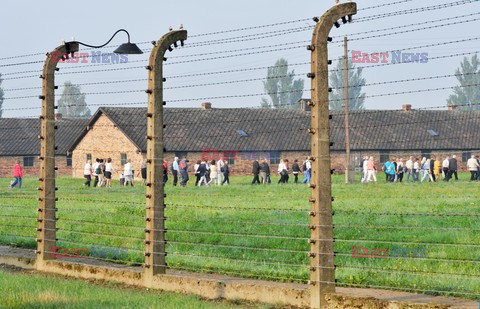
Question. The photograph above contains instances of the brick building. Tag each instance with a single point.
(241, 134)
(19, 141)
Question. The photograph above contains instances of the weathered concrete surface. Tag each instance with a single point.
(385, 299)
(219, 286)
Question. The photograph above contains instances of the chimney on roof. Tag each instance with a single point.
(452, 107)
(58, 116)
(206, 105)
(305, 104)
(407, 107)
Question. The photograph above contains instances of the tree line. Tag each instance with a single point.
(285, 91)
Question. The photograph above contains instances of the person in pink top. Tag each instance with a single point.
(17, 174)
(371, 171)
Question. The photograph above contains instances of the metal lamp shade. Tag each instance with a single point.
(128, 48)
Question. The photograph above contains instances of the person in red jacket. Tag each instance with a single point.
(17, 174)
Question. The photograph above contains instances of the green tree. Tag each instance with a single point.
(466, 96)
(355, 83)
(1, 96)
(72, 102)
(282, 88)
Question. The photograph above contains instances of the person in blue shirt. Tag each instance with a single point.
(389, 169)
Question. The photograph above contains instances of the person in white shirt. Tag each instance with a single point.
(307, 166)
(95, 168)
(445, 170)
(175, 171)
(282, 170)
(364, 168)
(220, 178)
(213, 173)
(196, 172)
(87, 173)
(108, 172)
(409, 169)
(128, 173)
(472, 165)
(416, 169)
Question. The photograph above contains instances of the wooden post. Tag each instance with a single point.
(155, 219)
(322, 264)
(349, 170)
(46, 211)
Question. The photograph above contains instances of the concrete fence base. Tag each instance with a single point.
(211, 286)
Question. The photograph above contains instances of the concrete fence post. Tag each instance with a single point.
(47, 207)
(322, 279)
(155, 219)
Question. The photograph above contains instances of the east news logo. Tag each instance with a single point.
(383, 57)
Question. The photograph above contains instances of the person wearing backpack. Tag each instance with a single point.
(264, 171)
(184, 171)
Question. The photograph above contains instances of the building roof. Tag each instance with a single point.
(193, 129)
(19, 136)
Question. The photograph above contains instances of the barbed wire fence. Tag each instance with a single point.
(248, 236)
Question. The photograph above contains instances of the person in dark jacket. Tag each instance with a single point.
(432, 168)
(225, 171)
(295, 170)
(255, 171)
(452, 168)
(287, 165)
(202, 172)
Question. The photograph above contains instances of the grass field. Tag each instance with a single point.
(261, 231)
(32, 290)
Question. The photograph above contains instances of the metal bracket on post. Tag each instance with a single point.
(46, 211)
(155, 227)
(322, 258)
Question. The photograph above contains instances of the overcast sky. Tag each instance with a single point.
(39, 26)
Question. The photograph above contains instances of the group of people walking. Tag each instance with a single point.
(206, 173)
(262, 170)
(429, 169)
(102, 171)
(215, 172)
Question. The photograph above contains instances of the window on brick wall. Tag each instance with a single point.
(466, 155)
(123, 158)
(88, 157)
(69, 160)
(28, 161)
(274, 157)
(384, 156)
(230, 156)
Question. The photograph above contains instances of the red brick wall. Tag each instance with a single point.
(7, 164)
